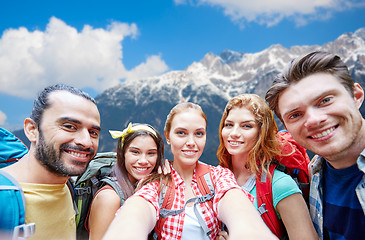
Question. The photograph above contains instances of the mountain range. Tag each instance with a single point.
(210, 83)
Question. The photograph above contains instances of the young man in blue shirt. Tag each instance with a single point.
(318, 102)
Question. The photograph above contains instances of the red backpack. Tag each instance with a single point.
(296, 165)
(166, 199)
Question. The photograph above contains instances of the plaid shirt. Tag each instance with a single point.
(223, 180)
(316, 191)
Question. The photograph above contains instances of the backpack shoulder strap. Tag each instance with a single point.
(205, 183)
(167, 194)
(165, 202)
(12, 214)
(115, 185)
(166, 198)
(206, 186)
(265, 202)
(71, 187)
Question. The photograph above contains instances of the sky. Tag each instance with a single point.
(96, 44)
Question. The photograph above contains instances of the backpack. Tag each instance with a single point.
(296, 165)
(96, 175)
(167, 193)
(12, 214)
(11, 148)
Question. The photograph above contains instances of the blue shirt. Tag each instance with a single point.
(343, 217)
(316, 203)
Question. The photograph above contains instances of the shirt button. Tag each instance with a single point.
(203, 211)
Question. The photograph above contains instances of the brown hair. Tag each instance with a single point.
(267, 145)
(301, 67)
(119, 169)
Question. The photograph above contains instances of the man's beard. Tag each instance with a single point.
(51, 158)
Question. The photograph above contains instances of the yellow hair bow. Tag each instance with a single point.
(119, 134)
(130, 128)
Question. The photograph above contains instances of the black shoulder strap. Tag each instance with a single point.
(71, 187)
(115, 185)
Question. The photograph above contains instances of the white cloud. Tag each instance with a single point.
(153, 66)
(268, 12)
(90, 58)
(2, 118)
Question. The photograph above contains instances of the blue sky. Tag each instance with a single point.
(94, 44)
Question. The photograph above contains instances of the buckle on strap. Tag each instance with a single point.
(81, 191)
(164, 213)
(23, 231)
(262, 209)
(205, 198)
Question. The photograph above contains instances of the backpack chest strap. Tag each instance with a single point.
(167, 193)
(164, 213)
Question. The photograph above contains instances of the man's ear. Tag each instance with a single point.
(31, 130)
(358, 95)
(167, 137)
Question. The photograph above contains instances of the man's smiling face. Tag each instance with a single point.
(68, 134)
(321, 114)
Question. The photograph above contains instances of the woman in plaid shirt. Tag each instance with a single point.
(185, 132)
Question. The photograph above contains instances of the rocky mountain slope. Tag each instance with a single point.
(210, 83)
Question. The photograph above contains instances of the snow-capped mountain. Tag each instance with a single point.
(210, 83)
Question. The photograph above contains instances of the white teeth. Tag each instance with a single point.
(189, 152)
(324, 133)
(141, 169)
(235, 143)
(78, 154)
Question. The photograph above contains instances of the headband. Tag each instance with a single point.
(130, 129)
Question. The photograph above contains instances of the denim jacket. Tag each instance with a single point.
(316, 191)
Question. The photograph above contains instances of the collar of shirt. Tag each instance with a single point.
(178, 179)
(361, 161)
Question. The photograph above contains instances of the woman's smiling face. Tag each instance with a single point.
(187, 137)
(140, 157)
(240, 131)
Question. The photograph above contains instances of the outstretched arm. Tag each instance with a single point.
(296, 219)
(241, 218)
(134, 221)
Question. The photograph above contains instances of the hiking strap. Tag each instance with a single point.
(25, 230)
(265, 203)
(205, 185)
(71, 187)
(113, 182)
(294, 175)
(250, 183)
(80, 190)
(164, 213)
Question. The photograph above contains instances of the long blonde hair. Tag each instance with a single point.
(267, 145)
